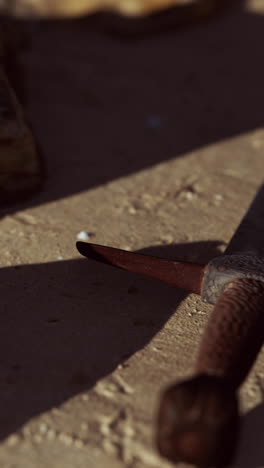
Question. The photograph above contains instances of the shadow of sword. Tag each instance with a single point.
(198, 419)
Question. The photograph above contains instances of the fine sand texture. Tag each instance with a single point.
(150, 143)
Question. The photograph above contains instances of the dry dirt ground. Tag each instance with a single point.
(154, 145)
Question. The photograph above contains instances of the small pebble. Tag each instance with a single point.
(257, 144)
(167, 239)
(43, 428)
(129, 431)
(218, 197)
(189, 195)
(37, 438)
(13, 440)
(83, 236)
(51, 434)
(84, 426)
(78, 443)
(157, 348)
(56, 411)
(26, 431)
(109, 447)
(66, 438)
(132, 210)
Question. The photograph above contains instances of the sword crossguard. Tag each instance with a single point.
(226, 268)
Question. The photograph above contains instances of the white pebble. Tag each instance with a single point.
(66, 438)
(43, 428)
(13, 440)
(51, 434)
(189, 195)
(218, 197)
(78, 443)
(83, 236)
(37, 438)
(132, 210)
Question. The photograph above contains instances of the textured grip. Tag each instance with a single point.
(198, 419)
(235, 331)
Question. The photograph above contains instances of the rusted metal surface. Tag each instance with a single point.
(235, 331)
(183, 275)
(198, 422)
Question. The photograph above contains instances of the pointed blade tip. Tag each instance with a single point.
(85, 249)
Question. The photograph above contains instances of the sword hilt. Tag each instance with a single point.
(198, 419)
(221, 270)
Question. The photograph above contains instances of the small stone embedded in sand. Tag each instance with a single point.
(26, 431)
(84, 426)
(78, 443)
(167, 238)
(67, 439)
(83, 236)
(51, 434)
(189, 195)
(13, 440)
(43, 428)
(126, 247)
(132, 210)
(218, 197)
(56, 411)
(37, 438)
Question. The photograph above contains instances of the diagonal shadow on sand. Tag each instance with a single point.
(251, 451)
(67, 324)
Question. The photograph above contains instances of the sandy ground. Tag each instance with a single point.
(154, 145)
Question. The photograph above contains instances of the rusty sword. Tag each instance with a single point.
(198, 419)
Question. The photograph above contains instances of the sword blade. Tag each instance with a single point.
(183, 275)
(249, 236)
(207, 281)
